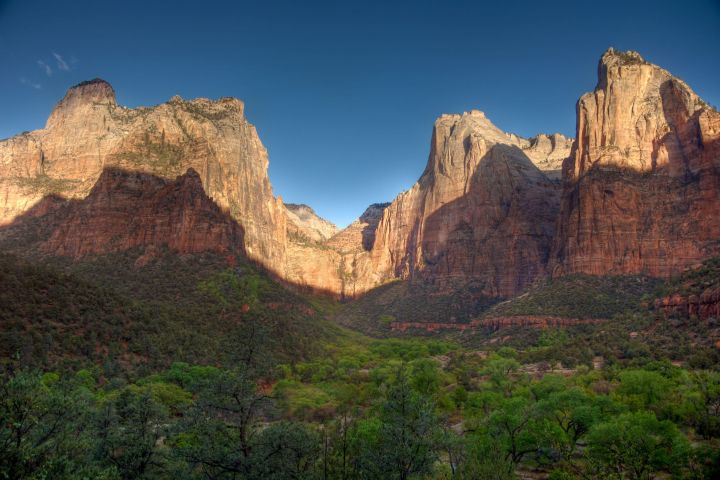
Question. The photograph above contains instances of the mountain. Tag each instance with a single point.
(482, 210)
(88, 132)
(641, 190)
(489, 216)
(308, 225)
(127, 210)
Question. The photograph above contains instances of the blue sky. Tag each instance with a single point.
(344, 94)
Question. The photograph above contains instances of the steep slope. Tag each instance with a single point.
(642, 189)
(359, 235)
(694, 293)
(481, 212)
(125, 210)
(106, 311)
(88, 131)
(306, 225)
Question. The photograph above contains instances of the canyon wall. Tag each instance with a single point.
(125, 210)
(88, 132)
(641, 190)
(482, 211)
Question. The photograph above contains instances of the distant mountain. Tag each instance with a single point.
(304, 222)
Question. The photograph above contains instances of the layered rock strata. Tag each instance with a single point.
(642, 188)
(88, 132)
(639, 193)
(482, 211)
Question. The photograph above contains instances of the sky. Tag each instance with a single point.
(344, 94)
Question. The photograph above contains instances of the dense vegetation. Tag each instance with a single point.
(134, 320)
(696, 280)
(413, 302)
(394, 409)
(201, 367)
(580, 296)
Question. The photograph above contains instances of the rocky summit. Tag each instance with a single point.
(641, 190)
(637, 191)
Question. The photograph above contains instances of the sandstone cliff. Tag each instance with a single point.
(480, 188)
(306, 225)
(642, 188)
(126, 210)
(481, 212)
(88, 131)
(548, 152)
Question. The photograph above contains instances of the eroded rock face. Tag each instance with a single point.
(548, 152)
(703, 306)
(307, 225)
(359, 235)
(642, 187)
(125, 210)
(481, 211)
(88, 131)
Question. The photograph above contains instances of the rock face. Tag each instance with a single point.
(307, 225)
(125, 210)
(703, 306)
(548, 152)
(88, 131)
(480, 188)
(642, 188)
(359, 235)
(482, 211)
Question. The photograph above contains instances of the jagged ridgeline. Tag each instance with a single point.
(492, 215)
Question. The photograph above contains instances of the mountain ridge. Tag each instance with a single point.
(489, 208)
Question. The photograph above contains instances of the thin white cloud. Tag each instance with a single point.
(46, 67)
(61, 64)
(27, 82)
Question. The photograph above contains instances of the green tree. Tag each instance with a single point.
(500, 371)
(700, 405)
(425, 376)
(218, 436)
(129, 430)
(517, 428)
(43, 428)
(642, 389)
(284, 450)
(485, 459)
(570, 415)
(635, 446)
(402, 446)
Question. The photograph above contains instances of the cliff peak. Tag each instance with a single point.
(612, 60)
(80, 98)
(629, 57)
(306, 223)
(95, 90)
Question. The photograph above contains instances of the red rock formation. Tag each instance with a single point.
(481, 211)
(88, 131)
(496, 323)
(703, 306)
(642, 188)
(129, 209)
